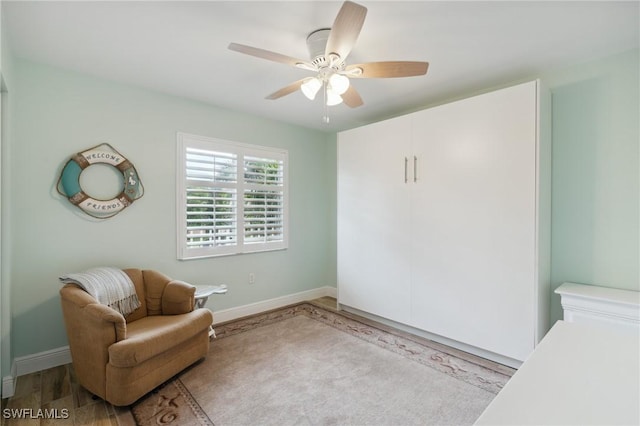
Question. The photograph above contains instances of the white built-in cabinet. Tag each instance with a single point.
(443, 222)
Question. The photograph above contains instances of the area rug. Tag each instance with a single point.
(305, 365)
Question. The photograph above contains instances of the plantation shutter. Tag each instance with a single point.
(232, 198)
(263, 200)
(211, 198)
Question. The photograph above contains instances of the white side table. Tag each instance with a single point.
(202, 295)
(204, 291)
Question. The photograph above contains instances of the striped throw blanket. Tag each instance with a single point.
(109, 286)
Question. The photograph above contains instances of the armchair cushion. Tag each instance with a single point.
(153, 335)
(154, 285)
(178, 298)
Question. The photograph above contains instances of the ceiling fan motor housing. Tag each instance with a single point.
(316, 45)
(317, 42)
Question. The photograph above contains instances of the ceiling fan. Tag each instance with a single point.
(328, 49)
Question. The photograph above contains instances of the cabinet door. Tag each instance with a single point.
(474, 221)
(373, 219)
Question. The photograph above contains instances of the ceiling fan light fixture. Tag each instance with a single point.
(311, 87)
(328, 50)
(338, 83)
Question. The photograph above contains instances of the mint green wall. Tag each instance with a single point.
(595, 180)
(59, 113)
(6, 74)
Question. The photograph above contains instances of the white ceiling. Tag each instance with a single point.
(180, 47)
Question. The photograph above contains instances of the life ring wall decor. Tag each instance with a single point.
(69, 182)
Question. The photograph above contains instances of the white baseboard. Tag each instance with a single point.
(9, 383)
(267, 305)
(52, 358)
(8, 387)
(500, 359)
(31, 363)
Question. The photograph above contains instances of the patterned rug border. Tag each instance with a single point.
(195, 407)
(167, 411)
(419, 351)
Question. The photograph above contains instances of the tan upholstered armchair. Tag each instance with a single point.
(121, 359)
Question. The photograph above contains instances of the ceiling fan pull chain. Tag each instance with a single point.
(325, 116)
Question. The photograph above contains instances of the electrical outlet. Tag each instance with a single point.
(252, 278)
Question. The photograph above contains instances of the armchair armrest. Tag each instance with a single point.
(178, 298)
(108, 315)
(84, 313)
(91, 329)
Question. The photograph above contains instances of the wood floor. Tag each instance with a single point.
(54, 397)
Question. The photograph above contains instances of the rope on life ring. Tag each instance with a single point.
(69, 181)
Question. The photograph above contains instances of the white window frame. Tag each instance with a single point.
(188, 141)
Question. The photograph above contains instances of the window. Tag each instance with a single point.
(232, 198)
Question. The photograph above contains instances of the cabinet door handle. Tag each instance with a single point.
(415, 168)
(406, 161)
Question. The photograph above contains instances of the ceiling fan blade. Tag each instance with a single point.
(346, 29)
(352, 98)
(271, 56)
(386, 69)
(287, 90)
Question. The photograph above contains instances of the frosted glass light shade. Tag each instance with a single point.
(339, 83)
(311, 87)
(333, 98)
